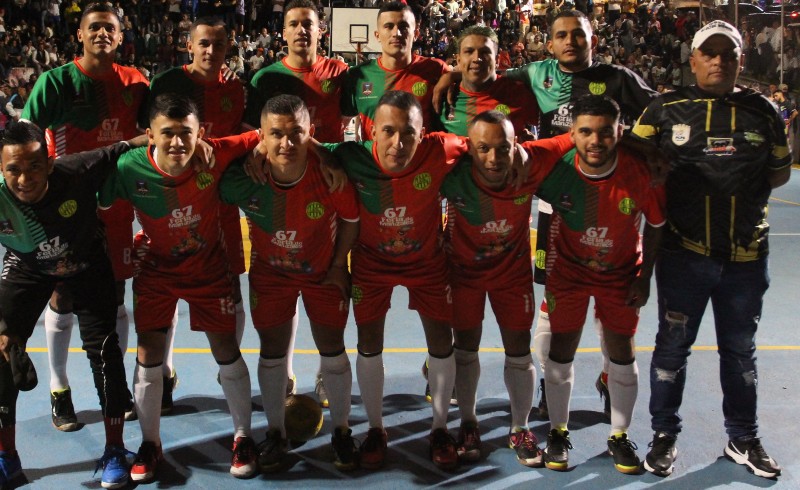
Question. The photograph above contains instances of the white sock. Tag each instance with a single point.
(272, 380)
(169, 365)
(58, 330)
(520, 376)
(558, 380)
(240, 319)
(541, 338)
(441, 377)
(290, 352)
(122, 329)
(235, 381)
(623, 387)
(370, 381)
(468, 372)
(598, 326)
(148, 386)
(338, 380)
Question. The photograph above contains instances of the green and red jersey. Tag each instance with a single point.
(220, 103)
(510, 97)
(367, 82)
(81, 112)
(293, 230)
(599, 218)
(488, 231)
(320, 87)
(179, 215)
(400, 212)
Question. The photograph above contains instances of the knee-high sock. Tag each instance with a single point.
(558, 380)
(169, 365)
(338, 380)
(623, 387)
(272, 382)
(468, 372)
(58, 330)
(441, 377)
(122, 329)
(598, 326)
(148, 386)
(290, 352)
(520, 376)
(369, 370)
(235, 380)
(240, 319)
(541, 337)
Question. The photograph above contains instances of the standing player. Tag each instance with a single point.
(489, 252)
(601, 192)
(180, 255)
(727, 150)
(396, 69)
(86, 104)
(48, 213)
(315, 79)
(557, 83)
(221, 105)
(294, 252)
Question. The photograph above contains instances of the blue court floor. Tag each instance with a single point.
(197, 437)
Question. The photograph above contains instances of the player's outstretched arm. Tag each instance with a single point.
(639, 291)
(338, 273)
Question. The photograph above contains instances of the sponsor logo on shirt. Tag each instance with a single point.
(754, 139)
(562, 117)
(68, 208)
(356, 294)
(548, 82)
(595, 236)
(541, 255)
(253, 204)
(109, 131)
(566, 202)
(141, 187)
(366, 88)
(327, 86)
(719, 147)
(499, 227)
(681, 134)
(597, 88)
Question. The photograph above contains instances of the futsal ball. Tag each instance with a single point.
(303, 419)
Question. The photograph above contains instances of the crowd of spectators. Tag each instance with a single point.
(648, 37)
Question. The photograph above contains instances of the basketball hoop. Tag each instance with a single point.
(359, 37)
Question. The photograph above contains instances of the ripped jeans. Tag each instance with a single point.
(686, 282)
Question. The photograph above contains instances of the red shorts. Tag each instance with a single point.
(232, 230)
(211, 304)
(567, 304)
(273, 300)
(118, 221)
(429, 293)
(512, 305)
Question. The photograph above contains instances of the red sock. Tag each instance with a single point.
(605, 378)
(8, 439)
(114, 431)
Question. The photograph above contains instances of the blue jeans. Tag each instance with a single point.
(686, 281)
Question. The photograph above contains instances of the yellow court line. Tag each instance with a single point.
(785, 201)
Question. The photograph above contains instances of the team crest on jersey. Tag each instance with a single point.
(681, 134)
(753, 138)
(565, 202)
(626, 206)
(520, 200)
(422, 181)
(597, 88)
(503, 108)
(315, 210)
(451, 114)
(203, 180)
(6, 228)
(539, 259)
(419, 89)
(127, 97)
(326, 86)
(719, 147)
(141, 187)
(253, 204)
(366, 88)
(548, 82)
(226, 104)
(68, 208)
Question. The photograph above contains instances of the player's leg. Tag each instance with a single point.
(370, 374)
(58, 319)
(601, 384)
(541, 335)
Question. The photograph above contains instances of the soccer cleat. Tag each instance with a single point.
(243, 462)
(752, 454)
(322, 395)
(541, 410)
(373, 449)
(170, 385)
(115, 466)
(556, 454)
(146, 463)
(272, 452)
(526, 447)
(291, 385)
(602, 387)
(662, 454)
(10, 467)
(63, 411)
(428, 398)
(469, 442)
(443, 451)
(345, 450)
(623, 450)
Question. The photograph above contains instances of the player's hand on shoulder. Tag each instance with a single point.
(203, 159)
(520, 167)
(257, 165)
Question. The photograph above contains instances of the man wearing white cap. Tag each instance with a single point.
(727, 150)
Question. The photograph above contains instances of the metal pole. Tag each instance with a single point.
(781, 33)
